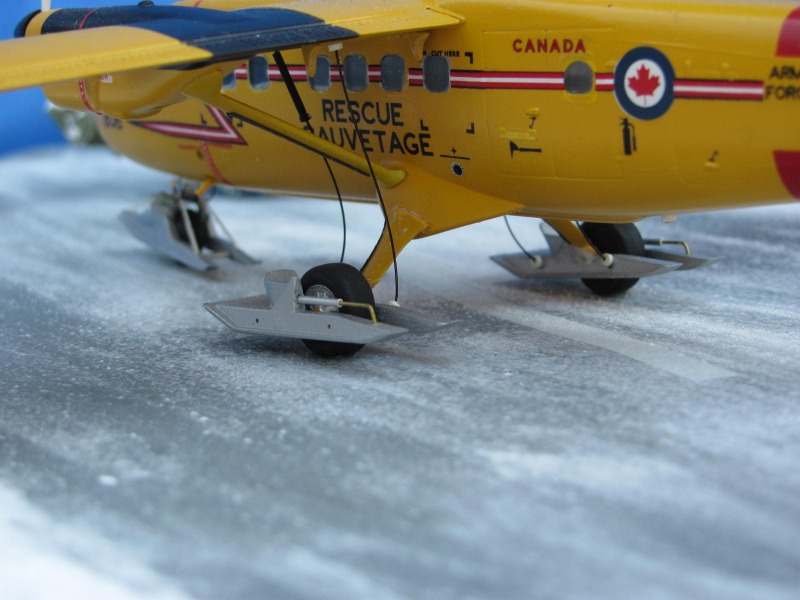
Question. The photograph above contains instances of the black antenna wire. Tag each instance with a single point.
(514, 237)
(305, 117)
(341, 206)
(354, 119)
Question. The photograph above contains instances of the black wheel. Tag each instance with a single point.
(337, 280)
(200, 226)
(613, 239)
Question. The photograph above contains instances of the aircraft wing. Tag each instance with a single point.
(68, 44)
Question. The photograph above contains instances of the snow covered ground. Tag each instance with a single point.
(549, 444)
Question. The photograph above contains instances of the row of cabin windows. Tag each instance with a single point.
(578, 77)
(435, 74)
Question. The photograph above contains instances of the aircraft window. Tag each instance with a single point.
(229, 81)
(436, 73)
(393, 73)
(579, 78)
(321, 81)
(355, 72)
(257, 73)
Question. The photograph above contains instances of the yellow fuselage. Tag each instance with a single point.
(588, 110)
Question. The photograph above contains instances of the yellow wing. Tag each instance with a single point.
(78, 54)
(69, 44)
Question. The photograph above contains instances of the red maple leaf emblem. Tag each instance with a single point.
(644, 84)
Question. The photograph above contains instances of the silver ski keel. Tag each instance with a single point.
(286, 312)
(566, 261)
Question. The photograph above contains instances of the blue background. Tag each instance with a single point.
(23, 122)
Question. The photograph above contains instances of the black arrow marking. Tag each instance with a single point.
(515, 148)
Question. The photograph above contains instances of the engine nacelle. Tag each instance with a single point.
(128, 94)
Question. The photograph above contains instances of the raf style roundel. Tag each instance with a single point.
(643, 83)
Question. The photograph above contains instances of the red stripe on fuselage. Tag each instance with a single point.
(691, 89)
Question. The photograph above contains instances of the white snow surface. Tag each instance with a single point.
(548, 444)
(44, 559)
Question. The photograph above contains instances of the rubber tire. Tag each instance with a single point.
(613, 239)
(200, 225)
(346, 282)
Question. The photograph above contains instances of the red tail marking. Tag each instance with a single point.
(789, 40)
(788, 163)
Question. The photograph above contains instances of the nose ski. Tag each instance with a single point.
(181, 225)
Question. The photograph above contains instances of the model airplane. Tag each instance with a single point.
(588, 114)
